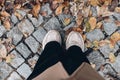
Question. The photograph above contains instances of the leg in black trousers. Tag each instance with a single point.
(50, 56)
(73, 58)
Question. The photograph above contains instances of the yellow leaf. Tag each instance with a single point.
(114, 38)
(104, 42)
(66, 21)
(3, 51)
(94, 2)
(92, 21)
(59, 9)
(112, 58)
(35, 10)
(8, 59)
(95, 44)
(88, 27)
(6, 24)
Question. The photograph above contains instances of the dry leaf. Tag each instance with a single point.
(117, 23)
(88, 44)
(114, 38)
(107, 2)
(112, 58)
(95, 44)
(92, 21)
(87, 26)
(4, 14)
(59, 9)
(117, 9)
(79, 19)
(94, 2)
(35, 10)
(99, 25)
(8, 59)
(19, 16)
(3, 51)
(66, 21)
(6, 24)
(104, 42)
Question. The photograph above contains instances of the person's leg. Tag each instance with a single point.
(50, 55)
(74, 56)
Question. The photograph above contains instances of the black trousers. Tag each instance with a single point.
(53, 53)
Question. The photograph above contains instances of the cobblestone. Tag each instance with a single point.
(39, 34)
(15, 34)
(14, 76)
(33, 44)
(36, 22)
(23, 49)
(95, 35)
(46, 8)
(26, 27)
(53, 23)
(24, 70)
(96, 59)
(17, 61)
(109, 27)
(106, 50)
(5, 70)
(2, 30)
(14, 19)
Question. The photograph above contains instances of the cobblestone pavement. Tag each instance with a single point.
(28, 32)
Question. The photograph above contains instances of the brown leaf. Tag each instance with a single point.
(6, 24)
(117, 9)
(59, 10)
(36, 9)
(3, 51)
(4, 14)
(2, 2)
(112, 58)
(104, 42)
(99, 25)
(117, 23)
(19, 16)
(66, 21)
(114, 38)
(79, 19)
(94, 2)
(92, 21)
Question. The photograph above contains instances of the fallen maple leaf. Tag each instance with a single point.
(19, 16)
(92, 21)
(99, 25)
(112, 58)
(36, 9)
(3, 51)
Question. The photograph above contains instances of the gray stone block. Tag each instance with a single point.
(17, 61)
(15, 34)
(36, 22)
(116, 64)
(24, 70)
(2, 30)
(26, 27)
(106, 50)
(23, 49)
(109, 27)
(46, 8)
(5, 70)
(14, 19)
(53, 23)
(14, 76)
(96, 34)
(33, 44)
(39, 34)
(96, 59)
